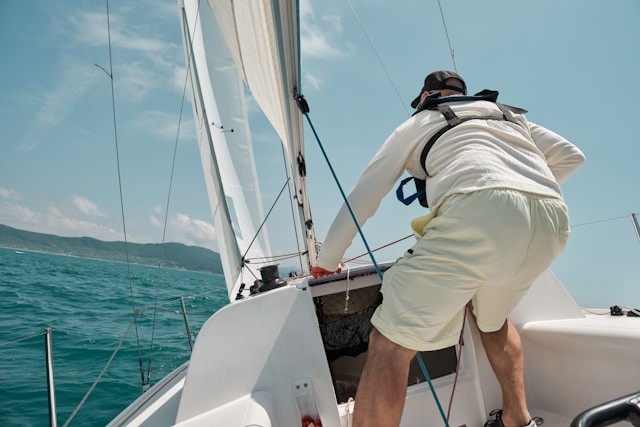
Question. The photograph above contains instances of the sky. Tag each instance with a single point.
(573, 64)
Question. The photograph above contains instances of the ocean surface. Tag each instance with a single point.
(89, 306)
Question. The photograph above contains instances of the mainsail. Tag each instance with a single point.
(227, 42)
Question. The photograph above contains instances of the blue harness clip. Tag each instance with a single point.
(409, 199)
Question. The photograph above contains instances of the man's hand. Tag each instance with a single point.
(321, 272)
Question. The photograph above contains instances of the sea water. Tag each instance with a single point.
(89, 306)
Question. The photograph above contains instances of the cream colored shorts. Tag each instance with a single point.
(486, 247)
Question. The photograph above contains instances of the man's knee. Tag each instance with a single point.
(500, 330)
(380, 345)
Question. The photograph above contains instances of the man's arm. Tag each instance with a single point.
(563, 157)
(374, 183)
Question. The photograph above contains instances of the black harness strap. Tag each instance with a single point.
(453, 120)
(435, 102)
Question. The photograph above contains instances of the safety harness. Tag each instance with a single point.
(435, 102)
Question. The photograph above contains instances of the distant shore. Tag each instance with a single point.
(167, 255)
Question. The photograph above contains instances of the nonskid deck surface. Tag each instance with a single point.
(550, 419)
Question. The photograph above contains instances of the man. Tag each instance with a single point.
(499, 221)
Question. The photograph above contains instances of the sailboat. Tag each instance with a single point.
(290, 351)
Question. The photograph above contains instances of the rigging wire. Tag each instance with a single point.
(166, 212)
(380, 247)
(453, 58)
(17, 340)
(601, 220)
(124, 226)
(100, 375)
(293, 212)
(273, 205)
(380, 61)
(411, 235)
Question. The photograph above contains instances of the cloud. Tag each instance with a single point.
(53, 221)
(319, 40)
(145, 60)
(8, 193)
(135, 80)
(87, 207)
(164, 125)
(91, 28)
(184, 229)
(64, 221)
(195, 231)
(178, 80)
(154, 218)
(56, 104)
(313, 81)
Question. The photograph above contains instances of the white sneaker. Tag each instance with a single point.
(497, 421)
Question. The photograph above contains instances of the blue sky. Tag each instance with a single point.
(573, 64)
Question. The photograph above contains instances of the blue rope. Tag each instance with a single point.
(433, 390)
(344, 196)
(304, 107)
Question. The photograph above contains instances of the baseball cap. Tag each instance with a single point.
(437, 81)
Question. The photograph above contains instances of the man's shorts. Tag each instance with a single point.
(486, 247)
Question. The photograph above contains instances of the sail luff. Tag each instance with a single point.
(230, 256)
(226, 148)
(263, 38)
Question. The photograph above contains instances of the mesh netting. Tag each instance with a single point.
(345, 320)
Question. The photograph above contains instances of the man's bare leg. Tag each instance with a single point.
(383, 385)
(504, 350)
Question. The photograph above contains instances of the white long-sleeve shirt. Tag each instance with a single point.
(474, 155)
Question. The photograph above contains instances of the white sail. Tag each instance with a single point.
(225, 145)
(263, 39)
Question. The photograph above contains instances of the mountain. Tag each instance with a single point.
(174, 255)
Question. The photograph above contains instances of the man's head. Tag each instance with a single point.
(441, 81)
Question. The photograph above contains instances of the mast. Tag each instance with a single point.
(263, 39)
(289, 26)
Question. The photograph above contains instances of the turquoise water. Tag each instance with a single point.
(88, 305)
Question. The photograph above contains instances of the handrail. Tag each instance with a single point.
(625, 408)
(186, 323)
(51, 389)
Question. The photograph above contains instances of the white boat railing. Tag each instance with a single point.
(51, 390)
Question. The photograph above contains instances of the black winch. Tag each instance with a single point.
(270, 280)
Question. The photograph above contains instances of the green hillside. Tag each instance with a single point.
(174, 255)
